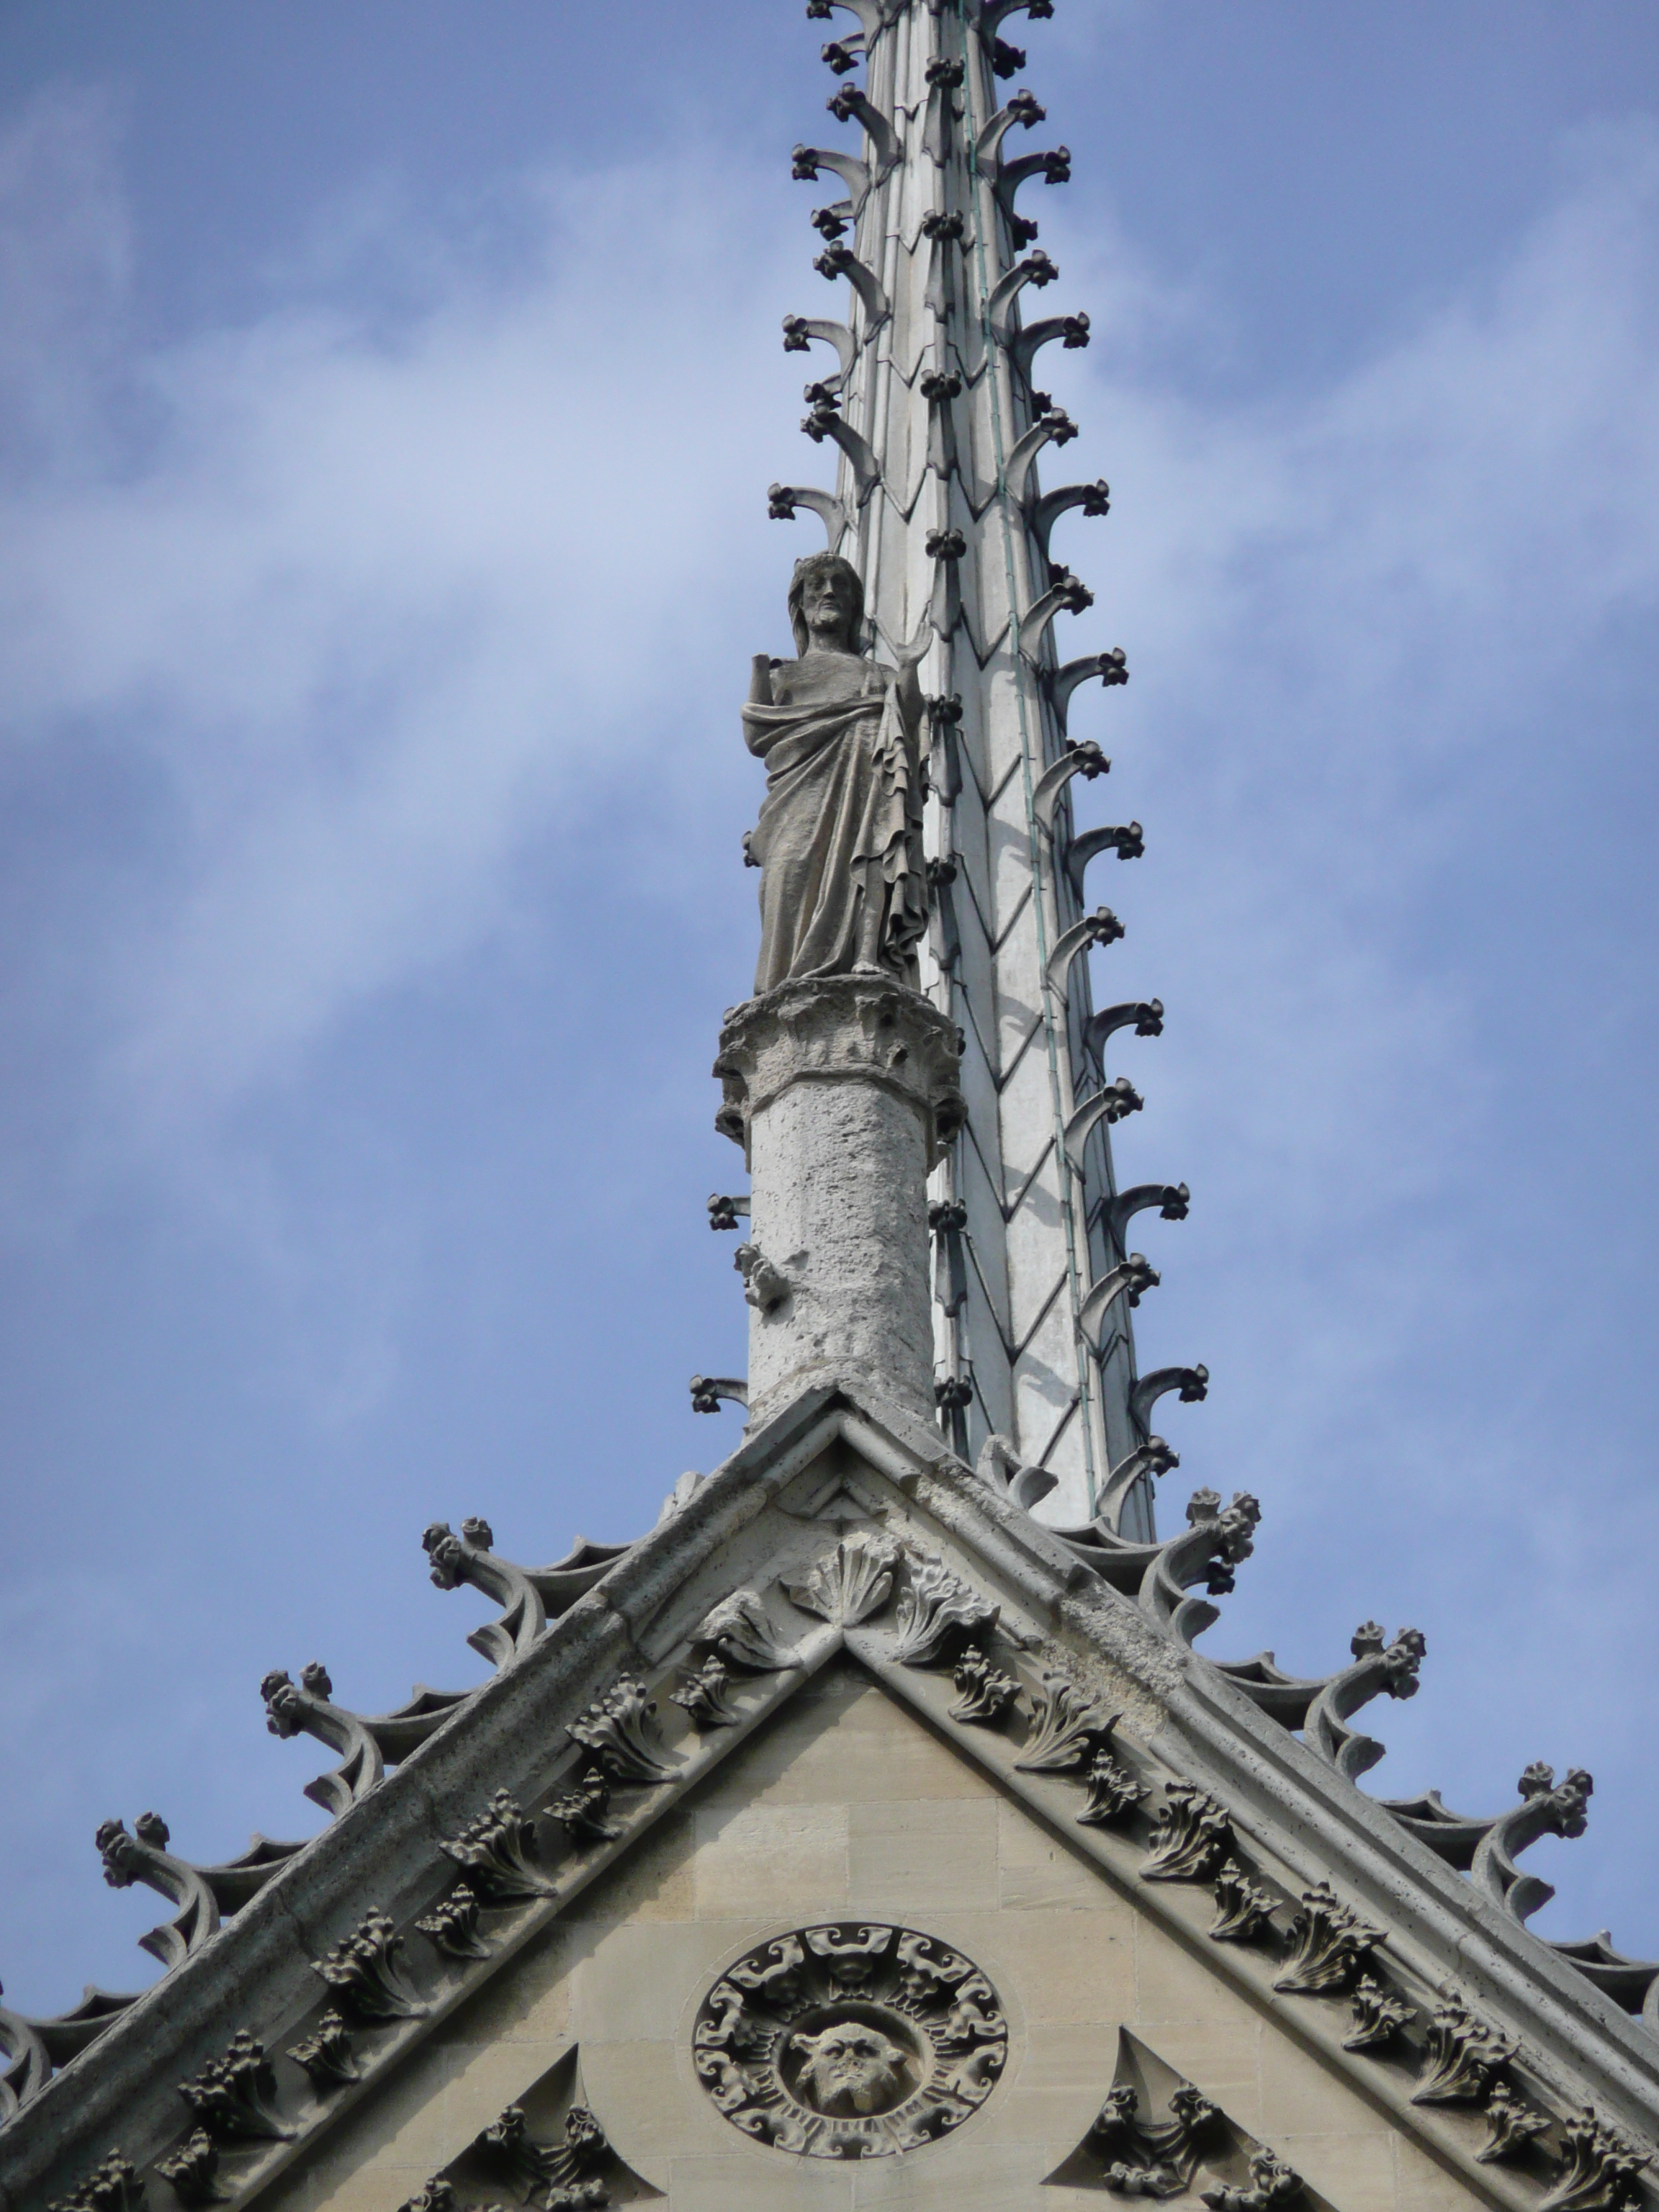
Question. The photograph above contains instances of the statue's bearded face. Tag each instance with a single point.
(851, 2068)
(826, 602)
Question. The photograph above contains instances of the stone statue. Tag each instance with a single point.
(843, 889)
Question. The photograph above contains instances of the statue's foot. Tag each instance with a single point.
(866, 968)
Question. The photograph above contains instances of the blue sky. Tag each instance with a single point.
(388, 392)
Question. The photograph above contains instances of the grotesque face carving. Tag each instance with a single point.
(850, 2067)
(850, 2041)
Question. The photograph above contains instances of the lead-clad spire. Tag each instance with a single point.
(932, 398)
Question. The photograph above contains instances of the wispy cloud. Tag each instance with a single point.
(367, 601)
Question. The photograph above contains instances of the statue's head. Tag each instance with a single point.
(851, 2068)
(823, 587)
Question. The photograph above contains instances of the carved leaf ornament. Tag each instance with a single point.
(1331, 1945)
(984, 1692)
(850, 1583)
(113, 2185)
(230, 2095)
(851, 2040)
(1244, 1909)
(740, 1630)
(1461, 2056)
(453, 1925)
(1066, 1725)
(363, 1970)
(1377, 2016)
(701, 1693)
(938, 1615)
(1600, 2170)
(193, 2169)
(1193, 1837)
(619, 1730)
(1113, 1791)
(326, 2054)
(495, 1850)
(1511, 2125)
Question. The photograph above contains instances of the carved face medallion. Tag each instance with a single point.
(850, 2067)
(851, 2040)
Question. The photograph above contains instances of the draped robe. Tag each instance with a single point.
(841, 826)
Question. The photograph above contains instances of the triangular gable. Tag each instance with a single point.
(844, 1528)
(845, 1852)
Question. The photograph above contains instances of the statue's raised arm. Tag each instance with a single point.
(843, 889)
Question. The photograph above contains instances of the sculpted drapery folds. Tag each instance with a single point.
(838, 843)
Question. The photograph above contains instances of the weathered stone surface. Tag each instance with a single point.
(842, 1089)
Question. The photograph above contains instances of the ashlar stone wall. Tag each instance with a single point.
(845, 1807)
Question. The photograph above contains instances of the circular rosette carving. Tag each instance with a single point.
(851, 2040)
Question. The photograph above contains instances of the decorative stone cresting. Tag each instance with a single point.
(843, 1091)
(851, 2040)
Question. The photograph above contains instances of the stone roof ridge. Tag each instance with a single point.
(1061, 1660)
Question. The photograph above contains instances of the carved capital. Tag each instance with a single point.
(840, 1029)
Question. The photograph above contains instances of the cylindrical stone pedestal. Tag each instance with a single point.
(843, 1091)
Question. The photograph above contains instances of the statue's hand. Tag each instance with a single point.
(760, 681)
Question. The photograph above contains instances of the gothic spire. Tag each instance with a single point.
(930, 391)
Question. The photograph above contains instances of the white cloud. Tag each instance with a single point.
(371, 602)
(1358, 628)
